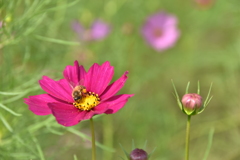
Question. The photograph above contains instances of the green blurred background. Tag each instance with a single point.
(37, 40)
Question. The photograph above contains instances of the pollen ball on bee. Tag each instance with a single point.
(78, 92)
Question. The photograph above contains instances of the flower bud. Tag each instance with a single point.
(138, 154)
(191, 102)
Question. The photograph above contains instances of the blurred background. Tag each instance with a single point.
(37, 38)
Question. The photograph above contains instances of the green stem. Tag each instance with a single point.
(187, 138)
(107, 136)
(93, 140)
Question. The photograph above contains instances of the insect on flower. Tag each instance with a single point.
(78, 92)
(80, 95)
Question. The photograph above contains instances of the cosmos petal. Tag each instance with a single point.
(38, 104)
(74, 74)
(58, 89)
(115, 103)
(113, 88)
(98, 77)
(66, 114)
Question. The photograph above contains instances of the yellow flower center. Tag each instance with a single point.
(87, 102)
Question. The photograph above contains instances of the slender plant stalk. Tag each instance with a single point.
(107, 136)
(93, 140)
(187, 138)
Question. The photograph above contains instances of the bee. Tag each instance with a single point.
(78, 92)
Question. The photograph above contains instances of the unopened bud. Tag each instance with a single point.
(138, 154)
(191, 102)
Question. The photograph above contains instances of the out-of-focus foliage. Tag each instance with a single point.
(36, 39)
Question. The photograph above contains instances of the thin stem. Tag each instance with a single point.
(93, 140)
(187, 138)
(107, 136)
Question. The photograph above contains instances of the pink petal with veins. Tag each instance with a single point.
(98, 77)
(74, 74)
(38, 104)
(113, 88)
(66, 114)
(56, 89)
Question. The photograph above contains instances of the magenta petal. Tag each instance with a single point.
(74, 74)
(38, 104)
(67, 87)
(100, 109)
(113, 88)
(116, 102)
(110, 106)
(98, 77)
(57, 89)
(66, 114)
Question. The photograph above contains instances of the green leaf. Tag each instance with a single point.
(75, 157)
(39, 149)
(54, 131)
(176, 96)
(145, 145)
(188, 84)
(149, 155)
(19, 96)
(208, 99)
(10, 93)
(6, 124)
(39, 125)
(127, 154)
(9, 110)
(198, 91)
(58, 41)
(133, 145)
(210, 140)
(84, 136)
(121, 158)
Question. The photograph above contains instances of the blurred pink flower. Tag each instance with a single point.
(160, 31)
(98, 31)
(97, 97)
(205, 3)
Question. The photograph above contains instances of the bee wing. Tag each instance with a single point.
(71, 84)
(81, 82)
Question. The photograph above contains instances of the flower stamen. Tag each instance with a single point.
(87, 102)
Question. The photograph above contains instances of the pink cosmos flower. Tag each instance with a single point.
(160, 31)
(98, 31)
(80, 95)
